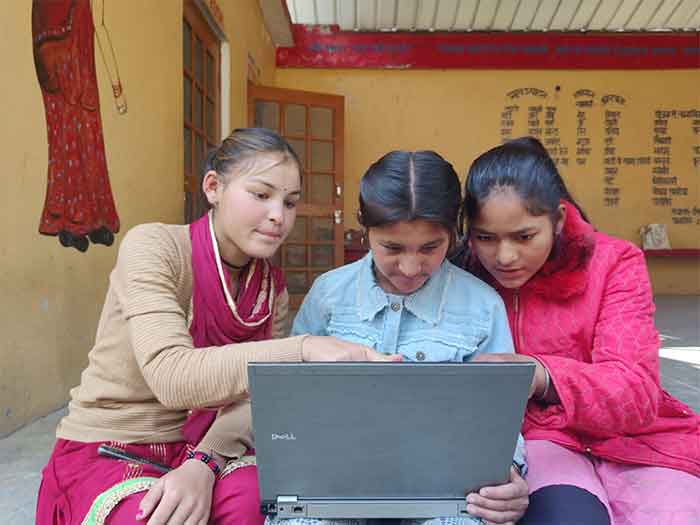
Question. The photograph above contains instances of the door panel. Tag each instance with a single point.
(312, 123)
(201, 102)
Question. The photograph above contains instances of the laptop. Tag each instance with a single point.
(383, 440)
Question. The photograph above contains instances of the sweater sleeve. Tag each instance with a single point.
(148, 275)
(617, 392)
(231, 433)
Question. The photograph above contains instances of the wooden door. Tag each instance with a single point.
(313, 124)
(201, 103)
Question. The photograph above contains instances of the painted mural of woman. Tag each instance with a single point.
(79, 206)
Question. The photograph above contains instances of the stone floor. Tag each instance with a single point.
(23, 454)
(678, 321)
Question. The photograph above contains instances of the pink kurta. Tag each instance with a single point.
(76, 475)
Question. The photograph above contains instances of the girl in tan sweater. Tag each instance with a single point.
(187, 308)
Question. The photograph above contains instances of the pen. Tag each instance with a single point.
(111, 452)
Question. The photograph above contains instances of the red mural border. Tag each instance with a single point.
(328, 47)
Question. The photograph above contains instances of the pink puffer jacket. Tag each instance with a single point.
(588, 317)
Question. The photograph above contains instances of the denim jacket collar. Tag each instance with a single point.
(426, 303)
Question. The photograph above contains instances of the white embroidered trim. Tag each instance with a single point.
(235, 464)
(105, 502)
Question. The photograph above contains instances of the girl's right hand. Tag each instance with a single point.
(328, 348)
(181, 496)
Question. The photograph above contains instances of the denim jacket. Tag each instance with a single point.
(452, 317)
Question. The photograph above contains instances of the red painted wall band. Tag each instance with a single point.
(328, 47)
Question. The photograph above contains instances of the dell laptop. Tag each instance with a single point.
(383, 440)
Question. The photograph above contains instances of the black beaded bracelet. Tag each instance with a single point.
(206, 459)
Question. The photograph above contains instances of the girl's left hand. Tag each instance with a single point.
(503, 504)
(538, 380)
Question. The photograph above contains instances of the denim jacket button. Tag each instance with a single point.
(420, 356)
(396, 307)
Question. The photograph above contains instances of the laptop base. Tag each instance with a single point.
(290, 507)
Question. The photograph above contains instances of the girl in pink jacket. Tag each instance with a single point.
(605, 443)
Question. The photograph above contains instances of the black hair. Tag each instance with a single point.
(237, 152)
(406, 186)
(524, 165)
(242, 145)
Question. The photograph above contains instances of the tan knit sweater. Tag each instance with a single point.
(144, 373)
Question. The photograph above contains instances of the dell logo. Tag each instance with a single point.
(287, 435)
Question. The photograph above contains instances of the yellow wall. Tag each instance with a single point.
(50, 296)
(246, 34)
(458, 113)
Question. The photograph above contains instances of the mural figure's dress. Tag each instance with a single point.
(79, 203)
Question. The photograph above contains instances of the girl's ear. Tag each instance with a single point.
(561, 220)
(210, 186)
(364, 239)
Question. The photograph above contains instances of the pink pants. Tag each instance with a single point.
(75, 475)
(633, 494)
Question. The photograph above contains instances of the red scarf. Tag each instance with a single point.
(218, 319)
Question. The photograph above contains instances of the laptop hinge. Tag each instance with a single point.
(284, 505)
(289, 506)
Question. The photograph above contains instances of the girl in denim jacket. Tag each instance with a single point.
(405, 298)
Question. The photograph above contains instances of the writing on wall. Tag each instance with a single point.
(661, 162)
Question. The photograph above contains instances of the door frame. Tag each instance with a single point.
(307, 209)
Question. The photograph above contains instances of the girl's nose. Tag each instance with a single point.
(506, 255)
(275, 212)
(410, 266)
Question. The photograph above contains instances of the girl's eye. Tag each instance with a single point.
(428, 249)
(260, 195)
(484, 238)
(527, 236)
(290, 204)
(392, 249)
